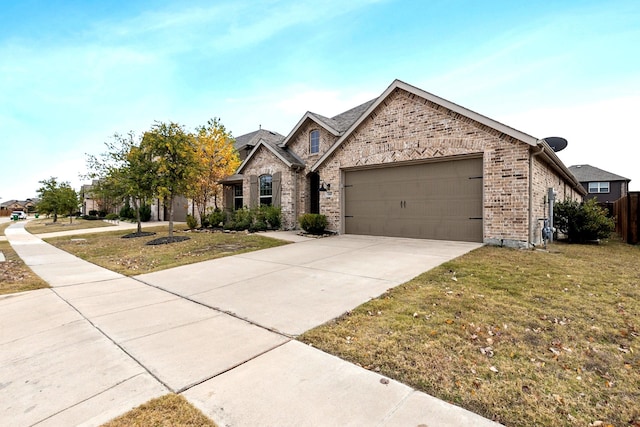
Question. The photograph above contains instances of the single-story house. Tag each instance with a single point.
(27, 205)
(605, 187)
(406, 164)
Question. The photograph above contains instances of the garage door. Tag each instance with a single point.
(440, 200)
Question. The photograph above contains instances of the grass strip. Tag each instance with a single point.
(15, 276)
(133, 256)
(170, 410)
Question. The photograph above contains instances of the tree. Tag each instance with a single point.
(124, 172)
(218, 159)
(57, 198)
(175, 159)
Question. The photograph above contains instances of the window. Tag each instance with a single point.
(314, 142)
(598, 187)
(266, 190)
(237, 196)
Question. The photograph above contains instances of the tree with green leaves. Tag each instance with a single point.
(57, 198)
(124, 172)
(173, 151)
(218, 159)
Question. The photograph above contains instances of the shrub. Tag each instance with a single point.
(582, 222)
(102, 214)
(191, 222)
(127, 212)
(90, 217)
(215, 218)
(145, 213)
(111, 216)
(93, 212)
(313, 223)
(272, 216)
(242, 219)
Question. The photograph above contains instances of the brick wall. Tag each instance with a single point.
(300, 146)
(545, 177)
(266, 163)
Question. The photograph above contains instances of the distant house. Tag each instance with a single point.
(27, 205)
(89, 203)
(605, 187)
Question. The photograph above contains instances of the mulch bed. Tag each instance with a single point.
(141, 234)
(167, 240)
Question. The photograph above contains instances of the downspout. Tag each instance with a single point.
(531, 219)
(296, 196)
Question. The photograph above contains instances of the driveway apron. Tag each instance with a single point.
(220, 332)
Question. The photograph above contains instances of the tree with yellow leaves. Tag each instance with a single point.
(218, 158)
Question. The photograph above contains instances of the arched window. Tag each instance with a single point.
(266, 190)
(314, 142)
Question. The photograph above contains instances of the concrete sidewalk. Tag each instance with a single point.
(98, 344)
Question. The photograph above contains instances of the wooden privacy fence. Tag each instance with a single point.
(627, 212)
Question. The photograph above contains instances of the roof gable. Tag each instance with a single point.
(588, 173)
(370, 107)
(335, 125)
(284, 155)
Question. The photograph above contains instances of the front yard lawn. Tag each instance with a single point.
(15, 276)
(132, 256)
(46, 225)
(527, 338)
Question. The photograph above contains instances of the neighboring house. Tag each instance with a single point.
(28, 205)
(605, 187)
(89, 203)
(406, 164)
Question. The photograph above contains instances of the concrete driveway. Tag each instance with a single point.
(219, 332)
(293, 288)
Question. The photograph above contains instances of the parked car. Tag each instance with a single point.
(18, 215)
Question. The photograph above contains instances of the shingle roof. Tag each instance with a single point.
(588, 173)
(252, 138)
(344, 120)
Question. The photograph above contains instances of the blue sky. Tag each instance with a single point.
(72, 73)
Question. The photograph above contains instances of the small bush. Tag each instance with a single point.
(90, 217)
(313, 223)
(145, 213)
(127, 212)
(242, 219)
(582, 222)
(93, 212)
(102, 214)
(111, 216)
(272, 216)
(192, 222)
(215, 218)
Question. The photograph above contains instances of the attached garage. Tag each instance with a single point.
(434, 200)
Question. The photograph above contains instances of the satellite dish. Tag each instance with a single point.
(556, 143)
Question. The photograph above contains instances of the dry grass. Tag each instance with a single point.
(4, 226)
(46, 225)
(132, 256)
(171, 410)
(15, 276)
(527, 338)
